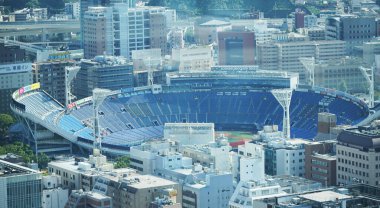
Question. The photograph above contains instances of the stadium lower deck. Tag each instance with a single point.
(131, 120)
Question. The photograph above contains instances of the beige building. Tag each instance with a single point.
(133, 190)
(285, 56)
(342, 74)
(94, 32)
(193, 59)
(358, 156)
(206, 32)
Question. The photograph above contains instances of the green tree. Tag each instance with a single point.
(122, 162)
(32, 4)
(6, 121)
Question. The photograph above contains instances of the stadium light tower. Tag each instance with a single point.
(98, 96)
(368, 75)
(70, 73)
(309, 64)
(284, 96)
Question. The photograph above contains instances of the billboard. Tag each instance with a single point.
(28, 88)
(15, 68)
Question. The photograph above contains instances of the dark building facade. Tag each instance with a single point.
(353, 29)
(236, 47)
(11, 54)
(51, 76)
(299, 19)
(112, 73)
(320, 162)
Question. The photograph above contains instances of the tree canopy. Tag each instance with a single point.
(24, 151)
(122, 162)
(6, 121)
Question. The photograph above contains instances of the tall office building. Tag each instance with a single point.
(108, 72)
(20, 186)
(354, 29)
(51, 76)
(236, 46)
(94, 31)
(118, 30)
(299, 18)
(358, 156)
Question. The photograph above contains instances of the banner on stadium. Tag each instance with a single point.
(28, 88)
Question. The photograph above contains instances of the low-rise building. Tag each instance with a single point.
(248, 193)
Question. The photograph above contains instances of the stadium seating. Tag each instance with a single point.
(131, 120)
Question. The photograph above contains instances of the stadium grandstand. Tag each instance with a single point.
(233, 101)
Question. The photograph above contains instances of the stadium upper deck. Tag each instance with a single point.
(133, 116)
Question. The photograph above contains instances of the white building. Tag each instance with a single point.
(190, 133)
(149, 157)
(78, 173)
(251, 162)
(215, 154)
(285, 157)
(53, 196)
(193, 58)
(175, 39)
(119, 30)
(211, 190)
(247, 192)
(72, 9)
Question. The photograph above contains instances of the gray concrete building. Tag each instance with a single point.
(20, 187)
(108, 72)
(354, 29)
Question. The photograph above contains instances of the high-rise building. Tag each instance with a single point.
(20, 186)
(73, 9)
(51, 76)
(118, 30)
(299, 19)
(94, 31)
(354, 29)
(358, 156)
(108, 72)
(236, 46)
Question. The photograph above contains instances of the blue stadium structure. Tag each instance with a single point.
(133, 116)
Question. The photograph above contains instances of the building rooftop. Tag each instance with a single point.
(364, 136)
(8, 169)
(325, 196)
